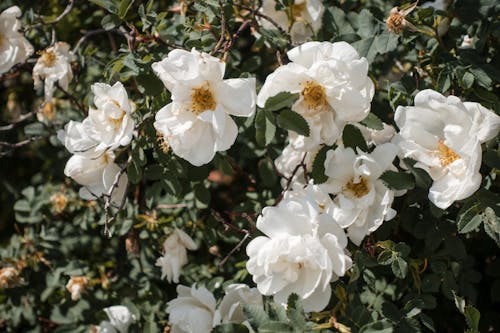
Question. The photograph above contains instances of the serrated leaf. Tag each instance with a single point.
(265, 129)
(318, 169)
(399, 267)
(385, 257)
(276, 327)
(472, 317)
(280, 101)
(230, 328)
(492, 225)
(398, 180)
(292, 121)
(470, 219)
(373, 122)
(255, 315)
(352, 137)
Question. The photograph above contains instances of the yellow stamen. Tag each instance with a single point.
(358, 189)
(162, 142)
(446, 154)
(202, 100)
(298, 9)
(314, 95)
(49, 58)
(395, 22)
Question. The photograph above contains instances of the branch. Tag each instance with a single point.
(236, 248)
(14, 146)
(73, 100)
(107, 199)
(19, 120)
(65, 12)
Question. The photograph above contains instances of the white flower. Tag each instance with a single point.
(53, 66)
(192, 311)
(97, 175)
(290, 159)
(120, 317)
(106, 327)
(110, 124)
(231, 307)
(14, 48)
(333, 85)
(76, 285)
(362, 201)
(77, 141)
(377, 137)
(175, 255)
(197, 123)
(303, 249)
(444, 136)
(467, 42)
(305, 20)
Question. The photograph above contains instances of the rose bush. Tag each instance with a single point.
(249, 166)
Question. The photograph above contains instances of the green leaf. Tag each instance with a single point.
(492, 225)
(381, 326)
(422, 178)
(318, 169)
(385, 257)
(291, 120)
(124, 7)
(398, 180)
(470, 220)
(399, 267)
(280, 101)
(230, 328)
(109, 5)
(352, 137)
(265, 129)
(276, 327)
(202, 195)
(134, 173)
(255, 315)
(472, 317)
(373, 122)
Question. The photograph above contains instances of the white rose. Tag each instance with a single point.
(362, 201)
(14, 48)
(444, 136)
(110, 124)
(197, 123)
(120, 317)
(288, 161)
(175, 255)
(53, 66)
(76, 140)
(231, 307)
(97, 175)
(192, 311)
(377, 137)
(303, 250)
(333, 85)
(307, 18)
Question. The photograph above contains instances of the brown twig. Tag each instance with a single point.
(14, 146)
(65, 12)
(236, 248)
(19, 120)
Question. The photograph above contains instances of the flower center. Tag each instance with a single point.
(395, 22)
(202, 100)
(162, 142)
(314, 95)
(446, 154)
(116, 122)
(298, 9)
(358, 189)
(49, 58)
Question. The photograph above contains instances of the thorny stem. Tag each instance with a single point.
(107, 200)
(14, 146)
(236, 248)
(65, 12)
(16, 122)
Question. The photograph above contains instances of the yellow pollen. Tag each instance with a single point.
(395, 22)
(117, 122)
(446, 154)
(49, 58)
(298, 9)
(358, 189)
(202, 100)
(162, 142)
(314, 95)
